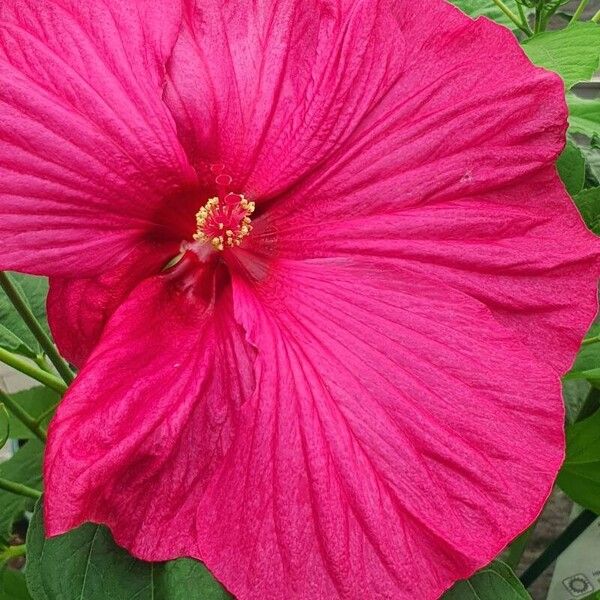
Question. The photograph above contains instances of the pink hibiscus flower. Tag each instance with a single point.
(348, 386)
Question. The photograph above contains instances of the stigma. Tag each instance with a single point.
(224, 223)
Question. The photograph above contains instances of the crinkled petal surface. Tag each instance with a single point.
(366, 454)
(137, 452)
(404, 458)
(373, 392)
(79, 308)
(294, 92)
(452, 173)
(264, 84)
(522, 249)
(88, 152)
(412, 147)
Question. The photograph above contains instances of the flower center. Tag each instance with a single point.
(224, 223)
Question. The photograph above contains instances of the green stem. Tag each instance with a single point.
(558, 546)
(40, 361)
(522, 16)
(19, 488)
(20, 364)
(538, 20)
(522, 25)
(596, 17)
(546, 18)
(579, 11)
(23, 308)
(590, 340)
(12, 552)
(23, 416)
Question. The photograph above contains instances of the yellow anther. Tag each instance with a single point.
(224, 224)
(247, 206)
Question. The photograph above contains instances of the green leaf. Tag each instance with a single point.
(571, 168)
(14, 334)
(588, 203)
(13, 586)
(584, 115)
(589, 355)
(187, 579)
(592, 375)
(36, 401)
(86, 564)
(575, 392)
(486, 8)
(579, 477)
(573, 52)
(24, 467)
(592, 163)
(4, 425)
(495, 582)
(9, 341)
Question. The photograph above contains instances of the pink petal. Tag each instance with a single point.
(397, 430)
(451, 173)
(78, 309)
(451, 123)
(268, 89)
(372, 94)
(521, 249)
(89, 153)
(150, 417)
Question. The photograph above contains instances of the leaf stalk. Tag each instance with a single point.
(27, 368)
(22, 307)
(579, 11)
(20, 413)
(19, 489)
(522, 25)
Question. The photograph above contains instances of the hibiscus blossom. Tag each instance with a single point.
(318, 271)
